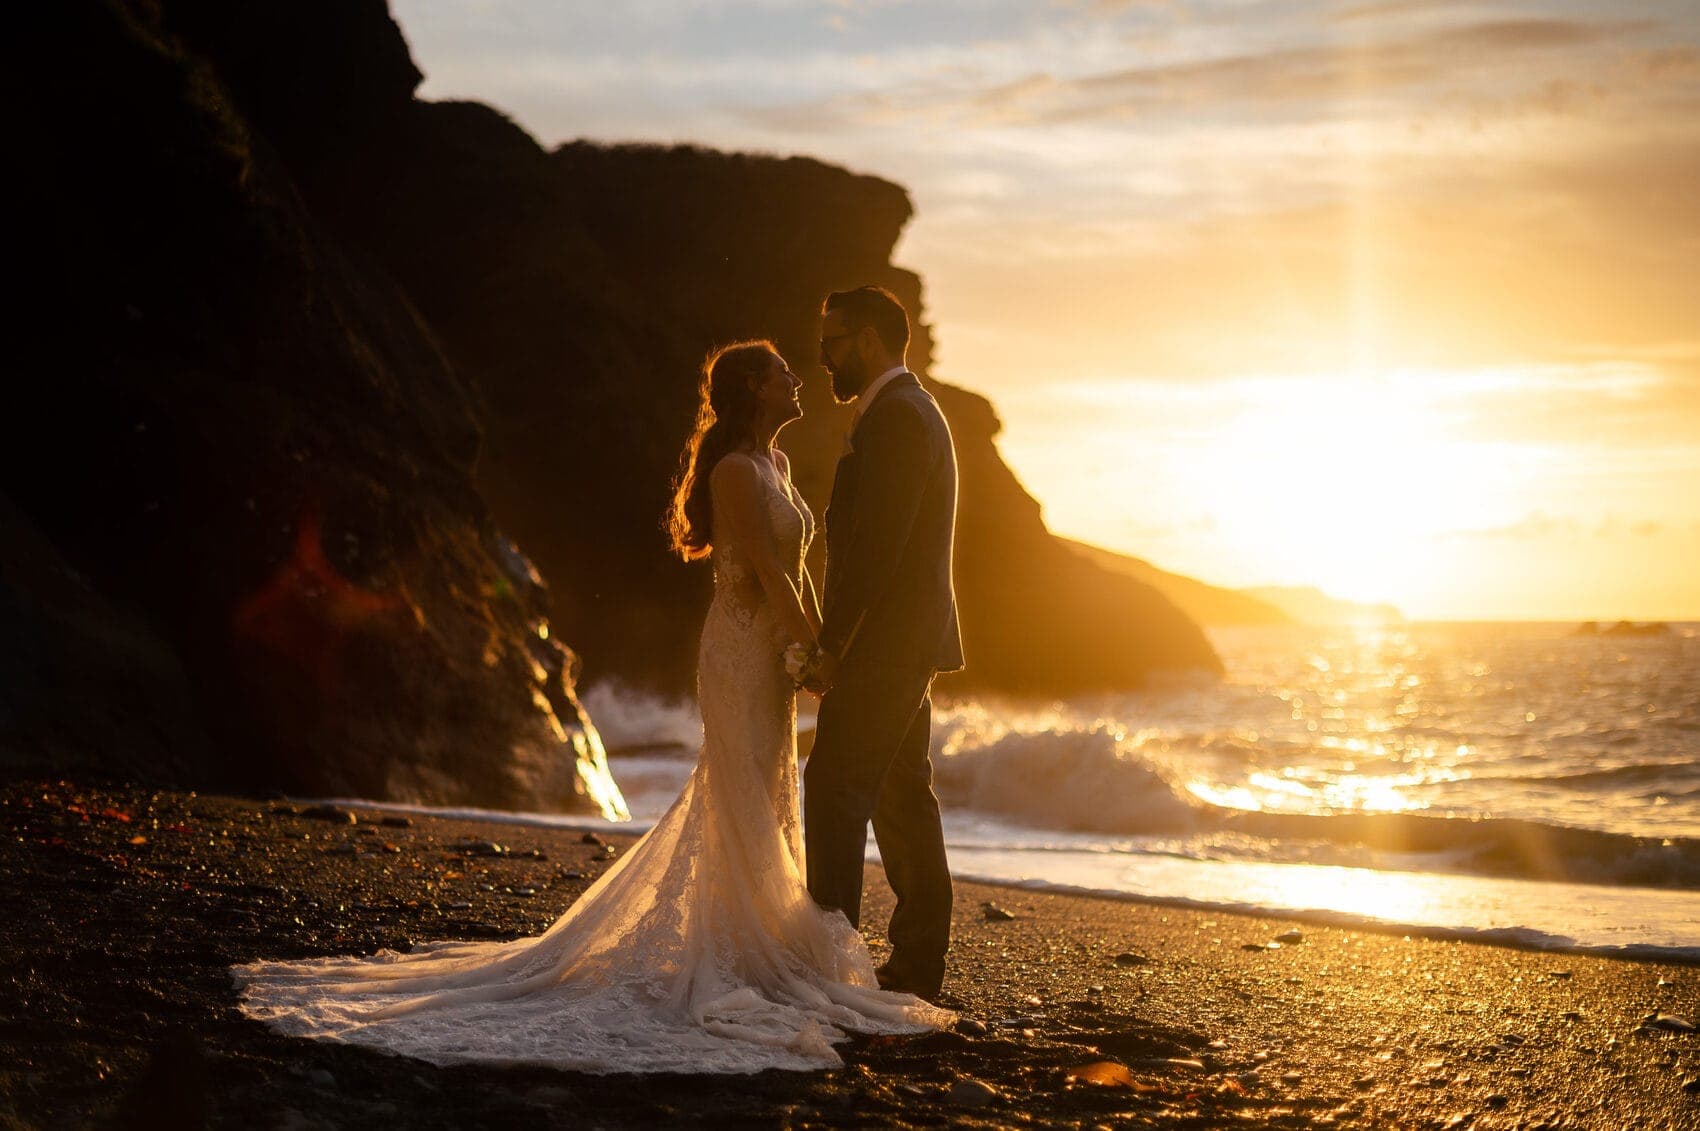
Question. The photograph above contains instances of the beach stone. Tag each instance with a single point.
(972, 1027)
(396, 822)
(972, 1093)
(996, 914)
(481, 848)
(1289, 937)
(591, 838)
(319, 1078)
(1669, 1022)
(1169, 1063)
(1102, 1073)
(330, 813)
(608, 852)
(1128, 958)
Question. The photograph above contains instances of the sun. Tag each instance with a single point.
(1349, 483)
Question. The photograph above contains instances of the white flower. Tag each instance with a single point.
(797, 657)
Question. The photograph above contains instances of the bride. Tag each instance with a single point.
(700, 950)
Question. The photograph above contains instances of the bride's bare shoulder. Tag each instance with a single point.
(735, 477)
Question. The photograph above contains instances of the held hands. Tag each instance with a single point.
(811, 668)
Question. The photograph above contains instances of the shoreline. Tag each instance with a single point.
(123, 1004)
(1517, 936)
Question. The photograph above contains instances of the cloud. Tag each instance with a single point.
(1393, 7)
(1536, 526)
(1480, 56)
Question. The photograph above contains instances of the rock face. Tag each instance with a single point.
(579, 290)
(244, 540)
(1207, 604)
(302, 352)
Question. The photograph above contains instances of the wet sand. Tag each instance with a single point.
(125, 907)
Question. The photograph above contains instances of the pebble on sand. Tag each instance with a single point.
(972, 1093)
(1106, 1074)
(329, 813)
(1669, 1022)
(996, 914)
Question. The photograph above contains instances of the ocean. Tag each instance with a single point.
(1519, 783)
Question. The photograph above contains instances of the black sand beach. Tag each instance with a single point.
(125, 907)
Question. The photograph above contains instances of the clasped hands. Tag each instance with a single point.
(811, 667)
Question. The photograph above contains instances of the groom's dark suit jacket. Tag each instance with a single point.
(889, 532)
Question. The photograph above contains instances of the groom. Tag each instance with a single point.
(888, 625)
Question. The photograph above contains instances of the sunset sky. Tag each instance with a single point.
(1400, 298)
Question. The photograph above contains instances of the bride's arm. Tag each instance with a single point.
(737, 485)
(811, 602)
(810, 599)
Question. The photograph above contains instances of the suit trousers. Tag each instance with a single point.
(870, 762)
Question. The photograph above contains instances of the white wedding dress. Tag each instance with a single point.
(698, 951)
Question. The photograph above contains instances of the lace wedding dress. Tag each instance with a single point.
(699, 951)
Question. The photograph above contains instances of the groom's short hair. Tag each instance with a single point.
(876, 307)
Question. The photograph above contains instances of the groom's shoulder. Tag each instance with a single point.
(905, 408)
(911, 394)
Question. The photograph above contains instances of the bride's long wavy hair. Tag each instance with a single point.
(726, 417)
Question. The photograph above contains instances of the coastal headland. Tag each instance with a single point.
(357, 413)
(128, 905)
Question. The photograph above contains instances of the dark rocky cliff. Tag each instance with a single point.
(301, 352)
(244, 544)
(579, 289)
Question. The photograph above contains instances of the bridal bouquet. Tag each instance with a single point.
(809, 667)
(799, 658)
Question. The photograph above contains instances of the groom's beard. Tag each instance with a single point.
(848, 380)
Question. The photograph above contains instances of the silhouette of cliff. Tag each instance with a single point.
(1207, 604)
(1309, 605)
(244, 544)
(579, 290)
(302, 352)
